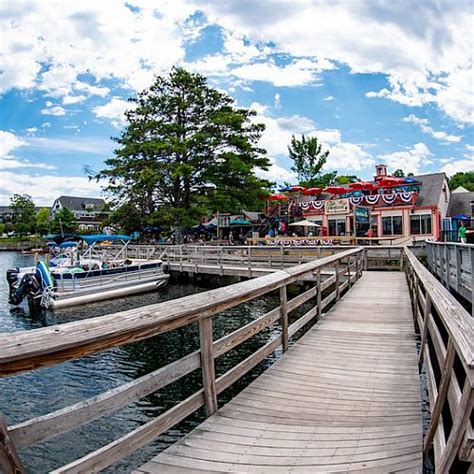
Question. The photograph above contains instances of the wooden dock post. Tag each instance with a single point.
(207, 365)
(284, 318)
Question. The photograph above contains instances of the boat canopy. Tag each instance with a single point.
(91, 239)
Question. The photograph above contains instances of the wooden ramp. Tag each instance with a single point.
(345, 397)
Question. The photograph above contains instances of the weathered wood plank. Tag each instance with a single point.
(207, 365)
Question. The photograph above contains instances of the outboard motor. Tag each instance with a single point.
(27, 287)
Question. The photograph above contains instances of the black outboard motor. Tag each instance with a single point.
(29, 286)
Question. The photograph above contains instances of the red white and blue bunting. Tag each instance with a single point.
(298, 243)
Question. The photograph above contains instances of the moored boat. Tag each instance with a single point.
(82, 270)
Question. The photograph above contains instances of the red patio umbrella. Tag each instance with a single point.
(296, 189)
(312, 191)
(390, 181)
(336, 190)
(363, 186)
(277, 197)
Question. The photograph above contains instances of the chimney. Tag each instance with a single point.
(380, 172)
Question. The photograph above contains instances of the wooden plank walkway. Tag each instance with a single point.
(345, 397)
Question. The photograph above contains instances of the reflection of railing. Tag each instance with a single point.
(27, 350)
(405, 199)
(454, 265)
(447, 334)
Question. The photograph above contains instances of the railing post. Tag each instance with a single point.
(442, 392)
(250, 262)
(446, 266)
(336, 269)
(220, 261)
(10, 462)
(319, 296)
(207, 365)
(284, 318)
(365, 260)
(349, 271)
(424, 335)
(460, 421)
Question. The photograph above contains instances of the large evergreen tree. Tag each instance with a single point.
(308, 158)
(186, 148)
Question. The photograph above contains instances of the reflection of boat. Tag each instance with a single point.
(84, 271)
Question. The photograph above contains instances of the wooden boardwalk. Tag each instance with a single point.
(346, 397)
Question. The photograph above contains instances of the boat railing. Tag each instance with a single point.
(446, 354)
(29, 350)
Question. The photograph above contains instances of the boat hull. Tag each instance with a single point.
(132, 289)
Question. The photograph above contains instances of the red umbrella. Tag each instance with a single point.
(391, 181)
(363, 186)
(277, 197)
(312, 191)
(335, 190)
(296, 189)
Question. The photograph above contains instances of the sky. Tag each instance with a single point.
(376, 81)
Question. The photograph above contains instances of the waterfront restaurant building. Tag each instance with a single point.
(410, 211)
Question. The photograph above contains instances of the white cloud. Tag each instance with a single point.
(423, 123)
(470, 147)
(328, 98)
(44, 191)
(31, 131)
(73, 99)
(114, 110)
(457, 166)
(426, 55)
(56, 110)
(277, 101)
(344, 156)
(9, 142)
(411, 161)
(72, 144)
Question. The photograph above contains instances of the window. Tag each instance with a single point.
(337, 227)
(392, 225)
(420, 224)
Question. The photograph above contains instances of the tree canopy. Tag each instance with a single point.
(24, 212)
(185, 151)
(308, 158)
(42, 223)
(64, 221)
(465, 179)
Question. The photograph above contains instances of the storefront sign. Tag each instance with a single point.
(337, 206)
(362, 214)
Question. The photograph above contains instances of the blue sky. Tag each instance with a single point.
(375, 82)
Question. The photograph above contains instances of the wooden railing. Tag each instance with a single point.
(454, 265)
(446, 350)
(251, 257)
(28, 350)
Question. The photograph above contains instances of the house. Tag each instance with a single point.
(7, 214)
(410, 211)
(89, 212)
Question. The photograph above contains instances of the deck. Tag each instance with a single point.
(346, 397)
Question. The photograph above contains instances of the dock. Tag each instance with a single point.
(345, 395)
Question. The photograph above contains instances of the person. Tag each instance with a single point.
(231, 238)
(462, 233)
(370, 233)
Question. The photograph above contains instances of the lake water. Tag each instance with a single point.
(41, 391)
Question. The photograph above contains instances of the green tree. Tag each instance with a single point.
(43, 223)
(346, 179)
(24, 212)
(465, 179)
(2, 228)
(64, 221)
(399, 173)
(185, 144)
(308, 158)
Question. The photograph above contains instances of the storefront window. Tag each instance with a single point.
(420, 224)
(392, 225)
(337, 227)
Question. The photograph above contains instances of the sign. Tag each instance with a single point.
(337, 206)
(362, 214)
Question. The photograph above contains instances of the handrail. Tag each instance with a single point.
(43, 347)
(447, 335)
(453, 263)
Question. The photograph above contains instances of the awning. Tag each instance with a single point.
(304, 223)
(91, 239)
(240, 222)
